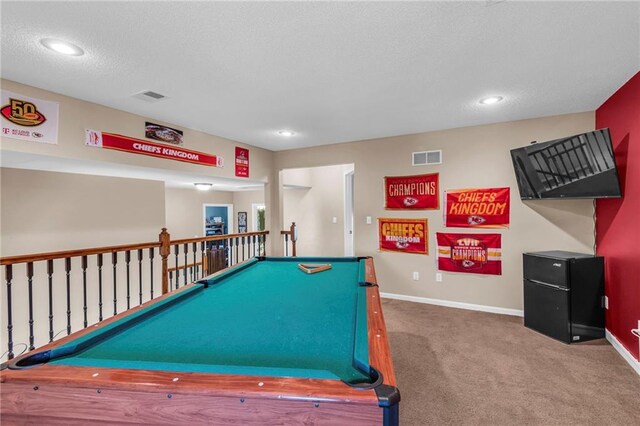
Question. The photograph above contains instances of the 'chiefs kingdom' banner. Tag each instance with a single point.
(411, 192)
(470, 253)
(138, 146)
(403, 235)
(477, 208)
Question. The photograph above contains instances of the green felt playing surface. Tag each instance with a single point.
(268, 319)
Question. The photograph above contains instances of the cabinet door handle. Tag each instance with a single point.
(556, 287)
(635, 332)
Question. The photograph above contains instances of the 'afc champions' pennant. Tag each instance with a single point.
(419, 192)
(105, 140)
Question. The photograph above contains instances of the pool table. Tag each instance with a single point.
(259, 343)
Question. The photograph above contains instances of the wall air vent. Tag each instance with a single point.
(149, 96)
(426, 158)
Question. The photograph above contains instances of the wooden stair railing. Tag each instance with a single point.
(291, 234)
(195, 258)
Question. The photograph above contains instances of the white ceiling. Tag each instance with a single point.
(330, 71)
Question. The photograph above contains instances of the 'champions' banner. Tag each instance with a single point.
(477, 208)
(137, 146)
(403, 235)
(419, 192)
(470, 253)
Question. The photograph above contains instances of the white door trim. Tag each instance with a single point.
(230, 217)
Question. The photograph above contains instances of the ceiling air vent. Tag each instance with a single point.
(425, 158)
(149, 96)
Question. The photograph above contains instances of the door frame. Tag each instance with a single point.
(349, 207)
(230, 218)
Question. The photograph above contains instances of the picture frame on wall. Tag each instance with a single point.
(242, 222)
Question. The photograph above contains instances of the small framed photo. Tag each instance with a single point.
(242, 222)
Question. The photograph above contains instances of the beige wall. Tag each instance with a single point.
(47, 211)
(184, 209)
(77, 115)
(472, 157)
(313, 208)
(243, 201)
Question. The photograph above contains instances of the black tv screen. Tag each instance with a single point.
(580, 166)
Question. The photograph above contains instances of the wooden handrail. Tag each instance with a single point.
(217, 237)
(181, 267)
(25, 258)
(36, 257)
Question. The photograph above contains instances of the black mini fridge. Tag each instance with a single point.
(563, 295)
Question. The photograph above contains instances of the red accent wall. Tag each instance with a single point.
(618, 220)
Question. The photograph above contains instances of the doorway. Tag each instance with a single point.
(217, 219)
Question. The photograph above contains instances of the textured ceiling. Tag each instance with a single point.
(331, 71)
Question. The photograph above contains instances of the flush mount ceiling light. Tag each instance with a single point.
(286, 133)
(203, 186)
(491, 100)
(61, 46)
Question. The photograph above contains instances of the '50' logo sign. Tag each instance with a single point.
(22, 113)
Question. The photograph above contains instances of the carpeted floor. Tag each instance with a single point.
(462, 367)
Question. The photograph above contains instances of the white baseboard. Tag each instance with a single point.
(451, 304)
(624, 353)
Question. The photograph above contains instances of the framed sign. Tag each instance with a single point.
(419, 192)
(242, 222)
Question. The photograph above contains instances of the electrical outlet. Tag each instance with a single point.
(334, 220)
(438, 277)
(416, 276)
(368, 220)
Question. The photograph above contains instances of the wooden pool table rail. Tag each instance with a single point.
(65, 394)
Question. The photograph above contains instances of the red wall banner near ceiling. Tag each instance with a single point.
(419, 192)
(242, 162)
(470, 253)
(138, 146)
(477, 208)
(403, 235)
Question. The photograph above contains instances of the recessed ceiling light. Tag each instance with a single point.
(491, 100)
(286, 133)
(62, 46)
(203, 186)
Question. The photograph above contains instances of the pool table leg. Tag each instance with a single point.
(391, 415)
(389, 400)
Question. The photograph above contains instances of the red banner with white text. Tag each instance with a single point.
(403, 235)
(418, 192)
(470, 253)
(105, 140)
(242, 162)
(477, 208)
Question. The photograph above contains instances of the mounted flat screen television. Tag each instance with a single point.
(580, 166)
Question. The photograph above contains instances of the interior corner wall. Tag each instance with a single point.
(243, 201)
(48, 211)
(184, 210)
(617, 225)
(473, 157)
(313, 208)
